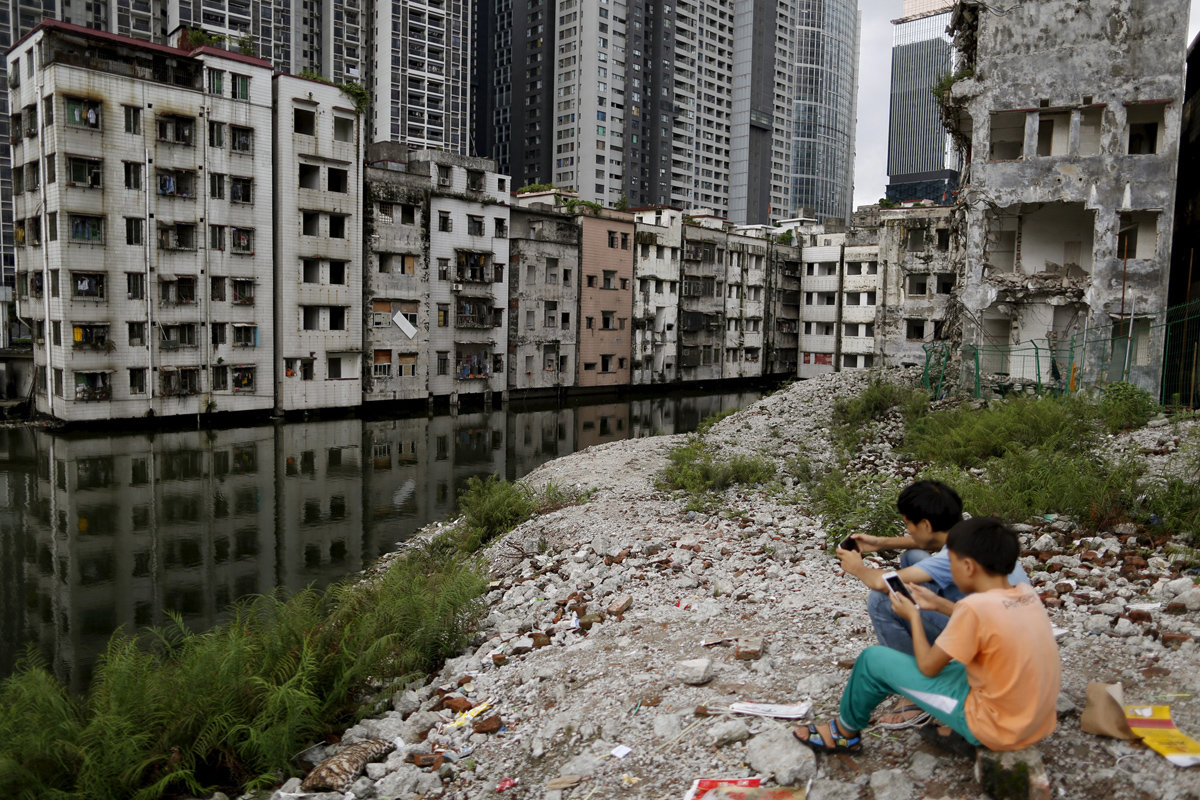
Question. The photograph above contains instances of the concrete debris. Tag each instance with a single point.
(778, 753)
(556, 696)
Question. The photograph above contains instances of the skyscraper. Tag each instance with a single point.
(674, 103)
(923, 163)
(825, 104)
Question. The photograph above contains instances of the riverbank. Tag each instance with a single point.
(602, 620)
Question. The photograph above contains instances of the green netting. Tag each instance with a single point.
(1160, 353)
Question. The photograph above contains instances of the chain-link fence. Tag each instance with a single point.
(1160, 353)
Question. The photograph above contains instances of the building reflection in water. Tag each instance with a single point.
(101, 532)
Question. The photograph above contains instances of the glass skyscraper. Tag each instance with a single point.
(824, 107)
(922, 161)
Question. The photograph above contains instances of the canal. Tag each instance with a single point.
(103, 531)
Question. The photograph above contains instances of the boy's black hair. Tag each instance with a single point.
(930, 500)
(992, 544)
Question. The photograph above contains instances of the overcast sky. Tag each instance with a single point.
(870, 168)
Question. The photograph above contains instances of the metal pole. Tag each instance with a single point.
(1192, 382)
(1129, 340)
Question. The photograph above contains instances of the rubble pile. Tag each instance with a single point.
(620, 632)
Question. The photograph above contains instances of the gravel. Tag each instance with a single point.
(610, 624)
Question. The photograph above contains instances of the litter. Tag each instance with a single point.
(777, 711)
(467, 716)
(629, 780)
(717, 643)
(564, 781)
(703, 786)
(621, 750)
(506, 784)
(1154, 725)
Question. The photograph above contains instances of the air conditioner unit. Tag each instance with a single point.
(458, 287)
(443, 181)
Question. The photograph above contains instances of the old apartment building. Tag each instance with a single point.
(1070, 116)
(841, 300)
(437, 275)
(918, 277)
(606, 297)
(318, 247)
(166, 267)
(656, 302)
(144, 209)
(543, 334)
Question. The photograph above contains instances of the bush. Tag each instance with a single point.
(173, 711)
(967, 437)
(492, 507)
(1026, 483)
(1124, 406)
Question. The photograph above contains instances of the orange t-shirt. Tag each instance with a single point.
(1004, 640)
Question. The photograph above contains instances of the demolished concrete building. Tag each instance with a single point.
(1069, 114)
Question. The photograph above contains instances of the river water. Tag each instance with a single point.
(98, 532)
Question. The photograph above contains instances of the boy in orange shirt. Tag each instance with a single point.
(992, 676)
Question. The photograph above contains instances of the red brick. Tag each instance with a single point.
(489, 724)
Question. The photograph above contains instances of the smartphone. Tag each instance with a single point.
(897, 585)
(848, 543)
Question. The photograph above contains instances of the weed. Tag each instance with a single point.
(801, 469)
(1025, 483)
(172, 711)
(708, 422)
(693, 469)
(851, 415)
(857, 504)
(1124, 406)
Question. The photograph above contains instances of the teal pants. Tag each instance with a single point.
(881, 671)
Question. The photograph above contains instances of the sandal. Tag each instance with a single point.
(902, 717)
(838, 742)
(947, 739)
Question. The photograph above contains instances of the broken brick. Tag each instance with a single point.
(749, 649)
(488, 725)
(1139, 616)
(1174, 639)
(457, 703)
(620, 605)
(539, 640)
(588, 620)
(1176, 608)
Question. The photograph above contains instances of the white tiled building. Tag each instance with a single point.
(656, 267)
(145, 198)
(318, 242)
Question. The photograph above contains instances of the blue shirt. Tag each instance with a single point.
(937, 567)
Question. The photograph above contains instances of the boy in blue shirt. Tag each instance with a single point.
(929, 510)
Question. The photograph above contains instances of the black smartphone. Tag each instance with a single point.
(897, 585)
(848, 543)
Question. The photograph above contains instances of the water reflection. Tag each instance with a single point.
(98, 532)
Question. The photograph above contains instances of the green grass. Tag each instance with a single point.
(852, 415)
(967, 437)
(857, 504)
(694, 469)
(172, 711)
(1124, 406)
(1030, 483)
